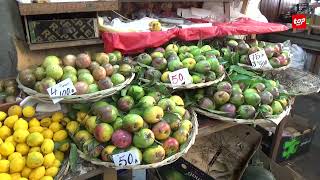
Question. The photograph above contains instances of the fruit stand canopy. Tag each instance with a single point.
(134, 42)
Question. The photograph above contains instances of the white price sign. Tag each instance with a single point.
(63, 88)
(259, 60)
(126, 158)
(179, 77)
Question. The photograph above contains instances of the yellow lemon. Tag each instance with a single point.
(56, 163)
(20, 135)
(37, 173)
(20, 124)
(45, 122)
(60, 135)
(25, 172)
(38, 129)
(6, 148)
(64, 147)
(5, 176)
(9, 121)
(47, 146)
(59, 155)
(22, 148)
(47, 133)
(4, 166)
(3, 115)
(48, 160)
(46, 178)
(52, 171)
(35, 149)
(0, 124)
(34, 122)
(11, 140)
(72, 127)
(1, 141)
(28, 111)
(15, 110)
(34, 159)
(55, 126)
(177, 100)
(57, 116)
(17, 164)
(15, 176)
(23, 178)
(35, 139)
(14, 155)
(5, 132)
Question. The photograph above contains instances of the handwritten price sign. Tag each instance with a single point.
(259, 60)
(126, 158)
(63, 88)
(179, 77)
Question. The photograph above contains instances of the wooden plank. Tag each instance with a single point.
(277, 138)
(65, 44)
(174, 1)
(67, 7)
(208, 126)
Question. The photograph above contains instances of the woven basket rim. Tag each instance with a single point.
(166, 161)
(191, 86)
(74, 98)
(273, 69)
(278, 118)
(63, 170)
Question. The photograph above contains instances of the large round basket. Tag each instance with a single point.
(191, 86)
(171, 159)
(77, 98)
(297, 82)
(271, 119)
(265, 70)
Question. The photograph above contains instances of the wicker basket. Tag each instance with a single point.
(272, 119)
(64, 168)
(191, 86)
(166, 161)
(273, 69)
(77, 98)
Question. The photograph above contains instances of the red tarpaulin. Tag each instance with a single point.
(134, 42)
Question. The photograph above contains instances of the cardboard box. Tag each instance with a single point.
(291, 146)
(57, 30)
(220, 155)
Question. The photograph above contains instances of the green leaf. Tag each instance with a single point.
(73, 157)
(82, 107)
(241, 70)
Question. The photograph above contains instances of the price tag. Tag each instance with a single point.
(179, 77)
(63, 88)
(259, 60)
(126, 158)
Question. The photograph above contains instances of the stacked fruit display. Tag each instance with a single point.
(8, 91)
(258, 100)
(276, 55)
(155, 126)
(29, 148)
(89, 74)
(202, 63)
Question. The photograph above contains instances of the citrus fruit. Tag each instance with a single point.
(4, 166)
(52, 171)
(9, 121)
(38, 129)
(3, 115)
(59, 155)
(5, 132)
(25, 172)
(28, 111)
(17, 164)
(56, 163)
(15, 176)
(48, 160)
(34, 122)
(22, 148)
(57, 116)
(35, 139)
(6, 148)
(55, 126)
(72, 127)
(37, 173)
(60, 135)
(46, 178)
(20, 135)
(34, 159)
(14, 155)
(15, 110)
(47, 146)
(64, 147)
(35, 149)
(20, 124)
(47, 133)
(5, 176)
(11, 140)
(45, 122)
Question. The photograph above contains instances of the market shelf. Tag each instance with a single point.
(66, 7)
(65, 44)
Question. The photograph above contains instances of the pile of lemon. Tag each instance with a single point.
(31, 148)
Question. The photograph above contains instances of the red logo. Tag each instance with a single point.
(299, 21)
